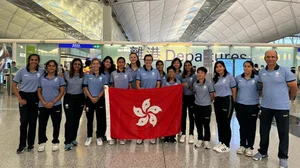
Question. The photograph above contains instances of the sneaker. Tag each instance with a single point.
(199, 143)
(122, 142)
(88, 141)
(20, 150)
(153, 141)
(74, 143)
(217, 146)
(29, 148)
(111, 142)
(41, 147)
(68, 147)
(283, 163)
(241, 150)
(206, 145)
(182, 139)
(104, 138)
(99, 142)
(222, 149)
(166, 140)
(259, 156)
(139, 141)
(191, 139)
(172, 140)
(55, 147)
(249, 152)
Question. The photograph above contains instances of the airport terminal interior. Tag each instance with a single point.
(200, 31)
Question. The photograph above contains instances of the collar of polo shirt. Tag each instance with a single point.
(146, 68)
(175, 80)
(99, 73)
(121, 71)
(198, 81)
(28, 70)
(46, 74)
(276, 67)
(243, 75)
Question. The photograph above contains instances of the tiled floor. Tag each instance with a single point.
(132, 155)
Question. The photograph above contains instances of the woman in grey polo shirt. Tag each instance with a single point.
(160, 67)
(51, 89)
(133, 67)
(246, 107)
(25, 85)
(177, 64)
(107, 67)
(74, 101)
(225, 94)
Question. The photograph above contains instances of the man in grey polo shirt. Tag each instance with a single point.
(278, 87)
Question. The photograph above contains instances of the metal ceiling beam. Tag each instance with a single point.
(41, 13)
(210, 11)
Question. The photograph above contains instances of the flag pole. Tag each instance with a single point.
(107, 106)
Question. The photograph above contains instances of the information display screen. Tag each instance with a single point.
(229, 65)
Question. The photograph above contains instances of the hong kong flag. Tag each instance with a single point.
(143, 114)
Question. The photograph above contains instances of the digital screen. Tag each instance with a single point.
(239, 66)
(229, 65)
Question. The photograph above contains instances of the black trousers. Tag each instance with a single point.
(224, 109)
(188, 103)
(28, 118)
(247, 116)
(282, 122)
(202, 119)
(73, 106)
(44, 114)
(99, 107)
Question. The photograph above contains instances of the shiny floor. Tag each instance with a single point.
(132, 155)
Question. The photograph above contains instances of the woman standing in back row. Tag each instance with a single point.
(225, 94)
(133, 67)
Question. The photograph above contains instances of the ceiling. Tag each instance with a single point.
(224, 21)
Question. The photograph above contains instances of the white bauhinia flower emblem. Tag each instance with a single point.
(146, 112)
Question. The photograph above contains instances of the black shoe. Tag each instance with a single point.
(166, 140)
(104, 138)
(30, 148)
(173, 140)
(20, 150)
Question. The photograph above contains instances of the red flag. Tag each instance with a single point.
(145, 113)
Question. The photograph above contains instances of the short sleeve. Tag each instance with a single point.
(138, 75)
(232, 82)
(129, 77)
(289, 76)
(18, 77)
(163, 84)
(158, 78)
(194, 86)
(257, 83)
(194, 78)
(62, 81)
(105, 80)
(211, 87)
(85, 80)
(40, 83)
(111, 80)
(259, 77)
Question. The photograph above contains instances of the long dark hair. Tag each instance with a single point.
(71, 72)
(112, 67)
(216, 75)
(138, 62)
(252, 65)
(185, 71)
(121, 58)
(174, 60)
(160, 61)
(28, 60)
(55, 63)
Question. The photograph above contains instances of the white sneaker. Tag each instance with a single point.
(249, 152)
(206, 145)
(153, 141)
(217, 146)
(191, 139)
(88, 141)
(55, 147)
(182, 139)
(223, 148)
(41, 147)
(139, 141)
(99, 142)
(111, 142)
(199, 143)
(122, 142)
(241, 150)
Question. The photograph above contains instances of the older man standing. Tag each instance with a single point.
(278, 87)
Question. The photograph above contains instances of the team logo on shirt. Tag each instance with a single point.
(100, 78)
(204, 87)
(146, 112)
(253, 81)
(38, 75)
(224, 80)
(116, 76)
(55, 80)
(191, 79)
(26, 75)
(153, 73)
(125, 76)
(277, 74)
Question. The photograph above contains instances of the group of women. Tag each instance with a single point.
(39, 93)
